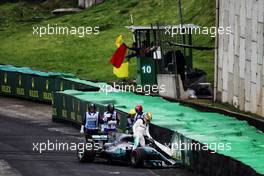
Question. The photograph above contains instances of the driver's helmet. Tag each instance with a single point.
(148, 116)
(91, 107)
(110, 108)
(139, 109)
(132, 112)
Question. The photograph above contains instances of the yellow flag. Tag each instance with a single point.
(121, 72)
(119, 41)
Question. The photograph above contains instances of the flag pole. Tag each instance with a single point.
(180, 11)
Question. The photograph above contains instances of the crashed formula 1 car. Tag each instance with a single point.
(121, 151)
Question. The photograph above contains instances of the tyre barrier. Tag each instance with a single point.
(30, 84)
(71, 106)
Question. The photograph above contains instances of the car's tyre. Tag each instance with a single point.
(137, 157)
(84, 155)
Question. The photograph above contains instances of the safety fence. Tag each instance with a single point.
(31, 84)
(174, 125)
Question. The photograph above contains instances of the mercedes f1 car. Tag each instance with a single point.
(120, 150)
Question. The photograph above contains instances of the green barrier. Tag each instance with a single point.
(39, 88)
(56, 105)
(48, 88)
(174, 140)
(34, 87)
(73, 109)
(79, 111)
(7, 85)
(183, 154)
(239, 140)
(21, 82)
(67, 107)
(24, 82)
(62, 84)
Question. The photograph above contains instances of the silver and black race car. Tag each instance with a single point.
(120, 150)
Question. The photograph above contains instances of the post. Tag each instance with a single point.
(177, 84)
(216, 51)
(180, 11)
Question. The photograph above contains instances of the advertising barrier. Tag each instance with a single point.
(26, 83)
(73, 109)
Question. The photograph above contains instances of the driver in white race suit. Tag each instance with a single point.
(140, 129)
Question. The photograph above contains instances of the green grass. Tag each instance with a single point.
(88, 57)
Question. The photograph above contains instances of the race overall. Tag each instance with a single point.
(92, 121)
(139, 131)
(130, 123)
(110, 120)
(91, 124)
(138, 116)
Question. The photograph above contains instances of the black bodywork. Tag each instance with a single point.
(121, 151)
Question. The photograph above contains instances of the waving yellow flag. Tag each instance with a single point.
(121, 72)
(119, 41)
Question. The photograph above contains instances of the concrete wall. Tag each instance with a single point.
(240, 66)
(88, 3)
(170, 89)
(168, 82)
